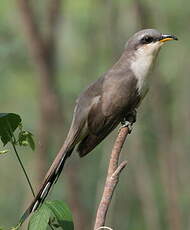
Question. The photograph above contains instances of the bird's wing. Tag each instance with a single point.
(118, 96)
(92, 140)
(99, 126)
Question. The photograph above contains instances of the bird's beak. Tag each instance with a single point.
(166, 37)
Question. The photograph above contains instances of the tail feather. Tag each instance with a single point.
(55, 169)
(51, 178)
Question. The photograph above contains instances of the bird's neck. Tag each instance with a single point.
(141, 66)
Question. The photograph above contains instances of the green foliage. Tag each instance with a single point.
(2, 152)
(25, 138)
(54, 213)
(17, 227)
(62, 214)
(40, 219)
(8, 124)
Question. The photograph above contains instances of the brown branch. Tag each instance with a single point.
(114, 171)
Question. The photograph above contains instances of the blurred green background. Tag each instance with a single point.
(49, 52)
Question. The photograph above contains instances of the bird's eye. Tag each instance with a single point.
(147, 39)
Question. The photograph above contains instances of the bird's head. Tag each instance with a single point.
(148, 42)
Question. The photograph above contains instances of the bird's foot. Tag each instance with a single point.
(131, 116)
(127, 124)
(129, 120)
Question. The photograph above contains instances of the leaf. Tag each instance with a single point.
(8, 124)
(62, 214)
(40, 219)
(3, 152)
(26, 138)
(31, 141)
(15, 228)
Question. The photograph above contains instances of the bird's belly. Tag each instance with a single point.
(143, 83)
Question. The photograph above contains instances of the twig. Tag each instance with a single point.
(114, 171)
(23, 169)
(13, 141)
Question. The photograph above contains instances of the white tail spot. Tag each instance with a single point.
(45, 190)
(35, 206)
(58, 167)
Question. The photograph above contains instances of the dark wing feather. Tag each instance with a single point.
(99, 126)
(92, 140)
(117, 99)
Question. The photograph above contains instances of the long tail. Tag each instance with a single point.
(51, 177)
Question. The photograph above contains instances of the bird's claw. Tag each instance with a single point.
(127, 124)
(129, 120)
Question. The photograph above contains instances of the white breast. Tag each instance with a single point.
(141, 67)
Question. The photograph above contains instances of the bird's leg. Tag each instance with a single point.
(129, 119)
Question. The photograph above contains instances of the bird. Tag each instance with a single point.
(111, 99)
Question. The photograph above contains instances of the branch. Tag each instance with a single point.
(114, 171)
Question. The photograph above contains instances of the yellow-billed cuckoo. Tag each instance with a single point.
(106, 102)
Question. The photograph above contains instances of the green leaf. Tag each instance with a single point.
(8, 124)
(40, 219)
(62, 214)
(15, 228)
(3, 152)
(26, 138)
(50, 212)
(31, 141)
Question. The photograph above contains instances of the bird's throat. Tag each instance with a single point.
(141, 67)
